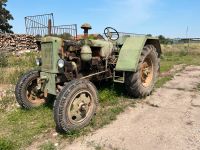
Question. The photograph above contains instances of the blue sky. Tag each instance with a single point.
(167, 17)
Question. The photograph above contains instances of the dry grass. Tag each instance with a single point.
(192, 48)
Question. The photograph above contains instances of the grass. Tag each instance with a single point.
(13, 67)
(179, 54)
(162, 81)
(19, 128)
(3, 60)
(47, 146)
(11, 75)
(175, 55)
(170, 59)
(6, 144)
(7, 103)
(22, 126)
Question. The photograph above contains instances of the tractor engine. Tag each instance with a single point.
(85, 58)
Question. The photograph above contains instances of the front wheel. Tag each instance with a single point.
(141, 82)
(75, 105)
(26, 92)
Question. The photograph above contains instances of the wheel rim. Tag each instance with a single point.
(147, 71)
(80, 107)
(33, 95)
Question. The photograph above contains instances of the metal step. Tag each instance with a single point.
(119, 76)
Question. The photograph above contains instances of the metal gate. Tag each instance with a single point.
(42, 25)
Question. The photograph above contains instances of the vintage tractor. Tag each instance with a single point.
(68, 68)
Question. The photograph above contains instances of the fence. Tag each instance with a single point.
(42, 25)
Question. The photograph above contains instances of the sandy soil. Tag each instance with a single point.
(168, 119)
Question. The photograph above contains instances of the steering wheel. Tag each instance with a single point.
(111, 33)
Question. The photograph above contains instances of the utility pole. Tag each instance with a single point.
(187, 29)
(187, 37)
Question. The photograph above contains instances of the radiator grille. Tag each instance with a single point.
(47, 56)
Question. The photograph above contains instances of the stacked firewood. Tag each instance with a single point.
(17, 42)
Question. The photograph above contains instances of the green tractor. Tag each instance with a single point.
(68, 68)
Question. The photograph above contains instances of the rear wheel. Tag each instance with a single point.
(75, 105)
(141, 82)
(26, 92)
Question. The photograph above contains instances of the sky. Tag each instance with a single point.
(170, 18)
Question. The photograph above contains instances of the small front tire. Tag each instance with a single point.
(75, 105)
(26, 92)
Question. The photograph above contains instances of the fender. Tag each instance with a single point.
(131, 50)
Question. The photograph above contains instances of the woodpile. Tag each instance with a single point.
(17, 42)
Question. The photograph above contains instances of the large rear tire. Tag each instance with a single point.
(75, 105)
(26, 92)
(141, 83)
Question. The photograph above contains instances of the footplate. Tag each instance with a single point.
(119, 76)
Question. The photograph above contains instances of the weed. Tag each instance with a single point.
(162, 81)
(13, 67)
(47, 146)
(26, 60)
(22, 126)
(7, 103)
(105, 115)
(3, 60)
(11, 75)
(6, 144)
(198, 87)
(108, 97)
(96, 146)
(170, 59)
(183, 52)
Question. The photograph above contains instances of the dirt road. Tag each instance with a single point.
(168, 119)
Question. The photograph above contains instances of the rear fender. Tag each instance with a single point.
(131, 50)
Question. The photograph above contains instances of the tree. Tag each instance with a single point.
(164, 40)
(5, 16)
(150, 35)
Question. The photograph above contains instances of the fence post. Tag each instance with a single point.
(49, 27)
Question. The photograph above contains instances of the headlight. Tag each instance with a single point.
(38, 61)
(61, 63)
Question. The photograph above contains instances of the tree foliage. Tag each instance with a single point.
(164, 40)
(149, 35)
(5, 16)
(65, 36)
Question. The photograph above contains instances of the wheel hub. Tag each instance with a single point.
(33, 95)
(80, 107)
(147, 72)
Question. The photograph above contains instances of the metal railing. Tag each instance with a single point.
(42, 25)
(38, 25)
